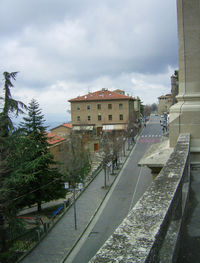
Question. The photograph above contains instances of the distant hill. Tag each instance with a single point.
(49, 124)
(53, 124)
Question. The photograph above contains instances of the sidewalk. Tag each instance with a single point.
(61, 239)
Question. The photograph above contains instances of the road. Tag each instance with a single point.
(128, 188)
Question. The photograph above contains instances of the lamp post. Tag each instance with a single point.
(80, 187)
(104, 168)
(74, 204)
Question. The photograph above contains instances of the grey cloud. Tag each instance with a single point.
(81, 41)
(41, 13)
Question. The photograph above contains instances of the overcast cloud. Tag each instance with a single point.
(65, 48)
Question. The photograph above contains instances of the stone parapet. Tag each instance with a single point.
(150, 231)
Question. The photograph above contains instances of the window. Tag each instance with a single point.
(78, 118)
(88, 107)
(98, 106)
(120, 106)
(121, 117)
(110, 117)
(99, 117)
(89, 118)
(78, 107)
(109, 106)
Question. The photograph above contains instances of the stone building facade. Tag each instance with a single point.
(185, 114)
(104, 110)
(165, 102)
(62, 130)
(174, 88)
(57, 147)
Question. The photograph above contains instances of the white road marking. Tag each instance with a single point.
(135, 189)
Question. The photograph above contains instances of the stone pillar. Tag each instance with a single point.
(185, 115)
(174, 89)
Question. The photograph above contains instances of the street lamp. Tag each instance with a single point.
(79, 187)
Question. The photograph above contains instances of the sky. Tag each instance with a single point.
(66, 48)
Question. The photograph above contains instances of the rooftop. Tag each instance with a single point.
(53, 139)
(165, 96)
(67, 125)
(103, 94)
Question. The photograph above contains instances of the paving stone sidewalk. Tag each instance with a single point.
(60, 240)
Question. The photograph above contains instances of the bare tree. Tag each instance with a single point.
(75, 160)
(147, 110)
(106, 154)
(154, 107)
(76, 164)
(117, 146)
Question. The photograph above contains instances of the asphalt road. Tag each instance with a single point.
(129, 187)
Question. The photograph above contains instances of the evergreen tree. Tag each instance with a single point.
(9, 107)
(141, 108)
(35, 178)
(176, 74)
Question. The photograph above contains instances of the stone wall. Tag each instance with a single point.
(151, 230)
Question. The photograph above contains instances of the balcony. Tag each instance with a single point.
(152, 230)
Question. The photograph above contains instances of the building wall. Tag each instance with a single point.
(132, 112)
(185, 115)
(165, 102)
(61, 131)
(119, 107)
(174, 89)
(137, 105)
(59, 151)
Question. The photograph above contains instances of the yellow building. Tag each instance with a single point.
(104, 110)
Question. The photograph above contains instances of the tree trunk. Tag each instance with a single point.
(75, 219)
(2, 230)
(39, 205)
(4, 172)
(113, 166)
(105, 183)
(116, 162)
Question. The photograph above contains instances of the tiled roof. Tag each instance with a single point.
(101, 95)
(53, 139)
(68, 125)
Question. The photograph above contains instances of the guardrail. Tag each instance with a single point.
(152, 230)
